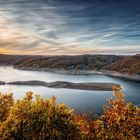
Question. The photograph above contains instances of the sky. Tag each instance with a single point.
(69, 27)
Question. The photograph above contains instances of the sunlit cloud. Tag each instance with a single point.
(69, 27)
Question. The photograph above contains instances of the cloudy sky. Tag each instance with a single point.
(69, 27)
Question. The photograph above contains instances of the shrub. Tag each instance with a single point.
(38, 120)
(6, 102)
(120, 121)
(42, 119)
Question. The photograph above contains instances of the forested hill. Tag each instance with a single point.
(85, 62)
(7, 60)
(123, 64)
(66, 62)
(130, 65)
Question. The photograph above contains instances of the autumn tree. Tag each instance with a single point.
(120, 120)
(6, 102)
(39, 119)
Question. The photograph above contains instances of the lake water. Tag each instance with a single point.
(80, 100)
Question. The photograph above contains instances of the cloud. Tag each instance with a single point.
(69, 27)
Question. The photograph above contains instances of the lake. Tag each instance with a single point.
(80, 100)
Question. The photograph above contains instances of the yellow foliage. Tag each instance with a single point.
(41, 119)
(6, 102)
(38, 119)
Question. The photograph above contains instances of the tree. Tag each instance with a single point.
(120, 120)
(39, 119)
(6, 103)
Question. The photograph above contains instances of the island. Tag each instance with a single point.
(69, 85)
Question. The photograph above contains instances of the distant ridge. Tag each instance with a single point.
(130, 65)
(80, 62)
(123, 64)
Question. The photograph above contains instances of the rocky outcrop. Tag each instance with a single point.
(69, 85)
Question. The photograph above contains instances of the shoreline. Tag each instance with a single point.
(135, 78)
(60, 71)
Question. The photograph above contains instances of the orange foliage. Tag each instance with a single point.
(42, 119)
